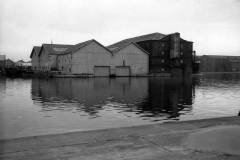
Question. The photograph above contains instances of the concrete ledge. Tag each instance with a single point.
(84, 76)
(141, 141)
(71, 76)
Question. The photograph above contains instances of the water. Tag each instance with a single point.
(38, 106)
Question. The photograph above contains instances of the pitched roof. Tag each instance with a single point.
(78, 46)
(135, 44)
(153, 36)
(35, 49)
(55, 49)
(9, 60)
(20, 61)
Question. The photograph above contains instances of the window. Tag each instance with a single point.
(181, 45)
(162, 61)
(163, 45)
(162, 69)
(181, 61)
(124, 63)
(162, 53)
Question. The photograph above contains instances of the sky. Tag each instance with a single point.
(213, 25)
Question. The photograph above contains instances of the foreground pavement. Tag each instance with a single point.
(213, 139)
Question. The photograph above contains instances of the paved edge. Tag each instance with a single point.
(93, 136)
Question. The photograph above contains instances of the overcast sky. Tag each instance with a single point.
(213, 25)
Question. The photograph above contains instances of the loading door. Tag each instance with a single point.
(122, 71)
(101, 71)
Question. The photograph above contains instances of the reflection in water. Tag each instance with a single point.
(31, 107)
(2, 85)
(148, 97)
(168, 96)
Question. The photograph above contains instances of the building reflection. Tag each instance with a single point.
(144, 96)
(2, 85)
(168, 97)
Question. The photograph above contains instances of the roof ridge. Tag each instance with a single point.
(137, 37)
(150, 36)
(56, 44)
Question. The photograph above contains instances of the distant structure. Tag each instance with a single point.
(2, 63)
(9, 63)
(152, 54)
(35, 58)
(216, 63)
(19, 63)
(23, 64)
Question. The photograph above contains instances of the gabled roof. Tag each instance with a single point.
(135, 44)
(153, 36)
(35, 49)
(55, 49)
(79, 46)
(9, 60)
(20, 61)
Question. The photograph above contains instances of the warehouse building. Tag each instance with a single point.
(167, 53)
(217, 63)
(92, 58)
(130, 60)
(154, 53)
(48, 56)
(89, 57)
(10, 64)
(35, 57)
(2, 63)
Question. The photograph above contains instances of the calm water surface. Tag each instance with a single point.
(38, 106)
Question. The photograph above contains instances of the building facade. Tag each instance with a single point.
(235, 65)
(216, 63)
(10, 63)
(35, 58)
(151, 53)
(84, 58)
(23, 64)
(2, 62)
(166, 52)
(130, 60)
(92, 58)
(48, 56)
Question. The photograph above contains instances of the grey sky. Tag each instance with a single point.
(213, 25)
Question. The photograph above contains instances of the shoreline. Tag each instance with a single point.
(95, 140)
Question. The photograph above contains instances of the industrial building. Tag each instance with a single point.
(167, 53)
(92, 58)
(217, 63)
(48, 56)
(2, 63)
(149, 54)
(35, 57)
